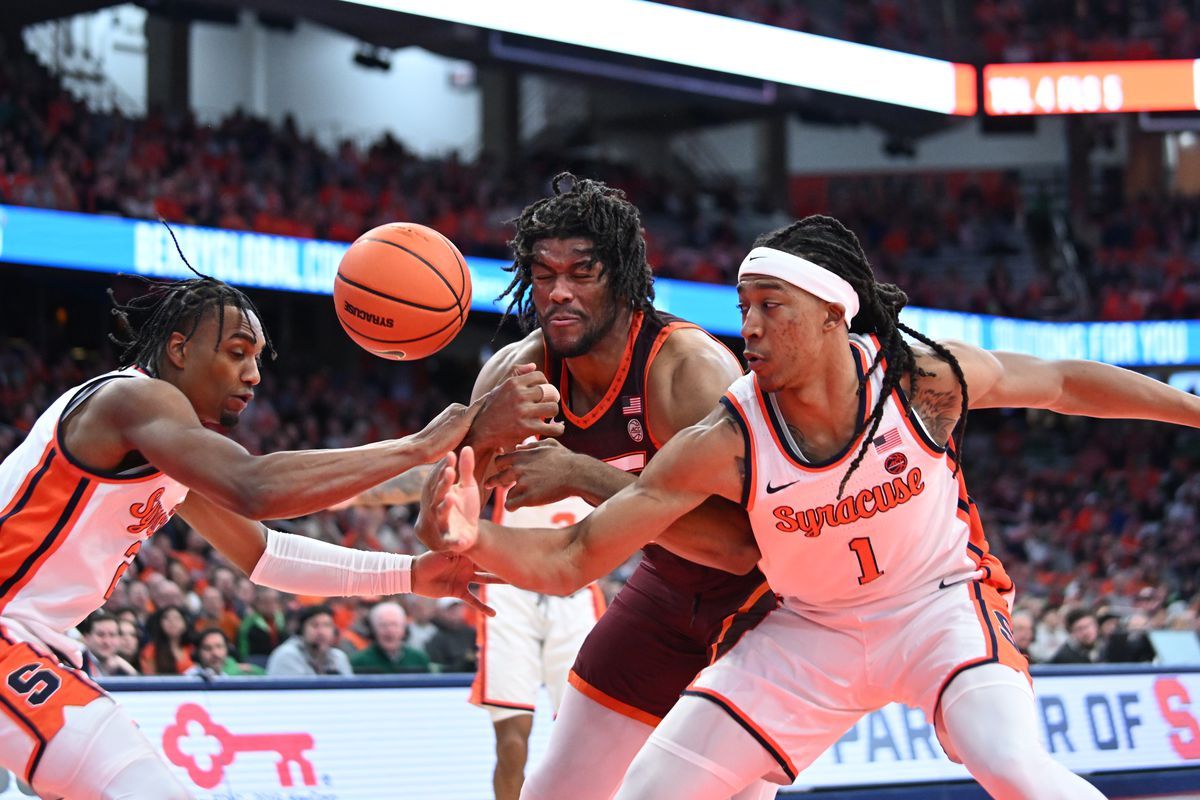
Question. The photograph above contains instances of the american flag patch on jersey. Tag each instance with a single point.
(887, 440)
(631, 406)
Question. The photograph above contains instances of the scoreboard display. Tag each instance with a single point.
(1091, 87)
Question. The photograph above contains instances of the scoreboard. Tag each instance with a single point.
(1091, 87)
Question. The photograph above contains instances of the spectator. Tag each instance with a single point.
(1128, 643)
(102, 637)
(263, 628)
(1023, 631)
(452, 648)
(213, 659)
(129, 639)
(421, 611)
(168, 651)
(387, 653)
(1082, 635)
(215, 614)
(311, 651)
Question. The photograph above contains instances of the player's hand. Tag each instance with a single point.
(445, 432)
(450, 575)
(536, 473)
(449, 520)
(523, 405)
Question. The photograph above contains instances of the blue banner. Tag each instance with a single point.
(141, 247)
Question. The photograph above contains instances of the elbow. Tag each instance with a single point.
(251, 503)
(745, 559)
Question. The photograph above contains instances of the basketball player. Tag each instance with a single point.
(106, 466)
(629, 379)
(531, 642)
(842, 444)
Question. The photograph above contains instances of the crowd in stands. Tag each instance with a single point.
(1097, 522)
(989, 31)
(957, 240)
(245, 174)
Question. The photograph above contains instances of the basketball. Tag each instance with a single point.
(402, 291)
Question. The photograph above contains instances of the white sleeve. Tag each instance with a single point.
(300, 565)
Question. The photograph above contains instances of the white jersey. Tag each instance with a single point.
(68, 533)
(904, 524)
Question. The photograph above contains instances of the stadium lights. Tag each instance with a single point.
(1091, 87)
(722, 44)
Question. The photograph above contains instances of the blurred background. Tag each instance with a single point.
(1029, 173)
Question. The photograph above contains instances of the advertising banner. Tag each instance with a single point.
(141, 247)
(241, 739)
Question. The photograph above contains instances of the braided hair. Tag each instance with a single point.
(591, 209)
(170, 306)
(831, 244)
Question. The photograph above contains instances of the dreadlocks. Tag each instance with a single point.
(594, 210)
(831, 244)
(170, 306)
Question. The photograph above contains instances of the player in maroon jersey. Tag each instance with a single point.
(630, 378)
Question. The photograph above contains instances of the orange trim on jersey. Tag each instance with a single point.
(39, 708)
(752, 456)
(754, 597)
(477, 690)
(39, 743)
(26, 544)
(614, 388)
(599, 603)
(764, 738)
(657, 345)
(920, 435)
(1000, 649)
(611, 703)
(24, 487)
(851, 448)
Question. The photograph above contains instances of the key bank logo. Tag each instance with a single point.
(205, 749)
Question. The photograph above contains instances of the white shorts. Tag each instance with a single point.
(532, 641)
(800, 680)
(59, 731)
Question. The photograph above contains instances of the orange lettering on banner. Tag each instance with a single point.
(1173, 701)
(867, 503)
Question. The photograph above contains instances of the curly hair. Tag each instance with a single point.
(591, 209)
(167, 307)
(831, 244)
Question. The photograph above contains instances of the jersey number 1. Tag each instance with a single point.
(867, 564)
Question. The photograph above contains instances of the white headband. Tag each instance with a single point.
(803, 274)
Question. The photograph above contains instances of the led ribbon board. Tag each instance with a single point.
(114, 244)
(722, 44)
(1091, 87)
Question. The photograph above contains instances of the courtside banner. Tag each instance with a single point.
(361, 739)
(115, 244)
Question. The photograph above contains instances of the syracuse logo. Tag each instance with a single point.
(204, 748)
(864, 505)
(150, 515)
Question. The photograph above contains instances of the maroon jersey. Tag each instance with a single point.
(673, 616)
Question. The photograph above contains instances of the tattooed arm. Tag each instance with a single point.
(403, 489)
(1015, 380)
(663, 505)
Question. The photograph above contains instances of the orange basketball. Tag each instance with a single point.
(402, 291)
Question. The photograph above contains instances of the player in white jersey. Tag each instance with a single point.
(841, 443)
(531, 642)
(107, 465)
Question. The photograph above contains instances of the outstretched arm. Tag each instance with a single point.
(299, 565)
(1082, 388)
(700, 461)
(155, 419)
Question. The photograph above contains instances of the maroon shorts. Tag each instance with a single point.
(657, 635)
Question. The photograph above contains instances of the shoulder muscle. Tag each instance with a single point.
(686, 380)
(529, 350)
